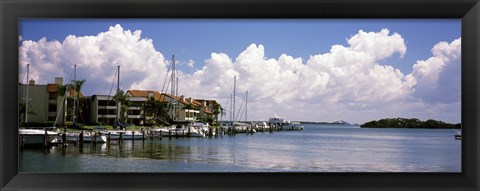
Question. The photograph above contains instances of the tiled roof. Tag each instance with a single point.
(163, 98)
(144, 93)
(52, 88)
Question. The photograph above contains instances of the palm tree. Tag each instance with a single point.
(217, 109)
(75, 86)
(157, 110)
(125, 104)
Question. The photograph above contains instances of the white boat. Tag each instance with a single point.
(243, 128)
(36, 136)
(182, 132)
(87, 137)
(204, 128)
(283, 124)
(458, 135)
(126, 135)
(157, 132)
(262, 125)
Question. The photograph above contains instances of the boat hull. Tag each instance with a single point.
(125, 135)
(87, 138)
(34, 137)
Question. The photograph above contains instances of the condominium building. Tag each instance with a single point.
(46, 103)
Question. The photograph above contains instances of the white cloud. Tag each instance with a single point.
(378, 44)
(437, 79)
(347, 80)
(97, 58)
(347, 77)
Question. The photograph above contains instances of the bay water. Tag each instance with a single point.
(318, 148)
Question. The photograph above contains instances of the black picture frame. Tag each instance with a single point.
(11, 11)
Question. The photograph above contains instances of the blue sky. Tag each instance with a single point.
(262, 42)
(196, 38)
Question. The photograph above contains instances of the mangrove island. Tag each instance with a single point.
(410, 123)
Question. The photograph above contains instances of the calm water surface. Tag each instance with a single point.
(319, 148)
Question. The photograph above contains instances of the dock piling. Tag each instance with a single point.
(81, 138)
(64, 137)
(120, 139)
(45, 139)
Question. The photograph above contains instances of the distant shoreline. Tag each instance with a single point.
(410, 123)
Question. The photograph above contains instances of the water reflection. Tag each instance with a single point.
(318, 150)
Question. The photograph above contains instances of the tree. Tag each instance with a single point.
(157, 110)
(217, 109)
(76, 87)
(125, 104)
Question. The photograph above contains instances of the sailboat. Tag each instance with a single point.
(123, 134)
(34, 136)
(87, 136)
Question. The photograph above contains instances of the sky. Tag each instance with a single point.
(301, 69)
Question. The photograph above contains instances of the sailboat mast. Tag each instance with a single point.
(173, 76)
(26, 99)
(118, 96)
(234, 87)
(231, 106)
(172, 89)
(246, 105)
(74, 92)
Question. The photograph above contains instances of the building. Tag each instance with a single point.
(208, 107)
(103, 109)
(49, 105)
(46, 102)
(180, 107)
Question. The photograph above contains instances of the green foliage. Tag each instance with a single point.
(125, 104)
(409, 123)
(218, 109)
(209, 120)
(158, 111)
(76, 126)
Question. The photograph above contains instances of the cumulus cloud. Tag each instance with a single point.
(97, 58)
(378, 44)
(437, 79)
(347, 77)
(347, 80)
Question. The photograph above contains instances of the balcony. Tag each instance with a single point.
(135, 108)
(107, 116)
(135, 116)
(107, 107)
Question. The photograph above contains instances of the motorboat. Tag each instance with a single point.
(283, 124)
(458, 135)
(182, 131)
